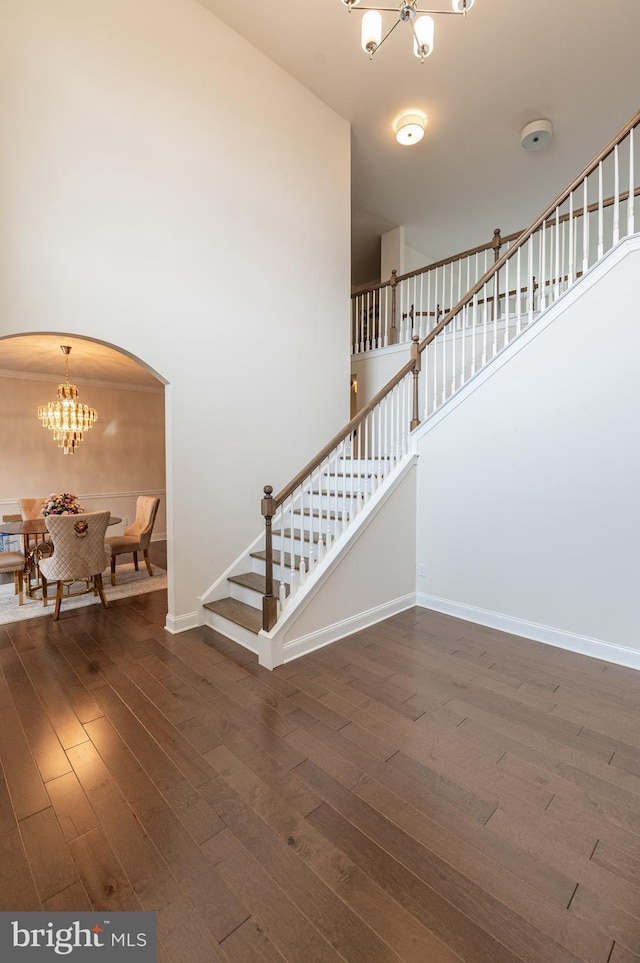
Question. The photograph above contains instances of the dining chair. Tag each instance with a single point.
(79, 555)
(31, 507)
(14, 562)
(136, 537)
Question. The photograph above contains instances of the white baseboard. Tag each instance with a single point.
(182, 623)
(339, 630)
(581, 644)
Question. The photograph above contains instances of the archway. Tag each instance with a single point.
(122, 456)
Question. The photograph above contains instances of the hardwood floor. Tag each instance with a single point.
(426, 791)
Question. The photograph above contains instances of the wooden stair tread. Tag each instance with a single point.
(297, 534)
(323, 493)
(255, 582)
(276, 558)
(316, 513)
(238, 613)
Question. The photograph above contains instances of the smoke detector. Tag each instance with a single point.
(535, 135)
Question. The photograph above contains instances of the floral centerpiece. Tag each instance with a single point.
(64, 504)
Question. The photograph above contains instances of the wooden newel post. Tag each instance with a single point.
(496, 244)
(417, 363)
(269, 602)
(393, 333)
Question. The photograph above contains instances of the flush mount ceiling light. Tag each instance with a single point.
(66, 417)
(408, 12)
(536, 134)
(410, 129)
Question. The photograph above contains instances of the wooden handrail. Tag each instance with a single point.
(539, 222)
(269, 505)
(487, 246)
(342, 434)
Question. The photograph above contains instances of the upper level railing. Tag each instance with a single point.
(413, 303)
(575, 231)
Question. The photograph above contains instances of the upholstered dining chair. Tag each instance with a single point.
(31, 507)
(79, 554)
(137, 537)
(14, 562)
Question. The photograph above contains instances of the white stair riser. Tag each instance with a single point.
(302, 523)
(345, 486)
(231, 631)
(280, 573)
(358, 465)
(299, 548)
(318, 503)
(246, 595)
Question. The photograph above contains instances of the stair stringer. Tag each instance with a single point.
(368, 576)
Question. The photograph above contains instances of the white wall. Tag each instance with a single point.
(369, 579)
(374, 369)
(528, 513)
(168, 190)
(121, 457)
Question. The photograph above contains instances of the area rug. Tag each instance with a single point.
(128, 583)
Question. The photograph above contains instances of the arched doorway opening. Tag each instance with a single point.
(121, 457)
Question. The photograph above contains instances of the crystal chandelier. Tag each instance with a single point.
(407, 12)
(65, 416)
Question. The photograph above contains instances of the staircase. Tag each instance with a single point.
(268, 599)
(300, 542)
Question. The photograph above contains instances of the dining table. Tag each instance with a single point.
(35, 547)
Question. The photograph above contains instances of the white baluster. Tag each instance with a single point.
(484, 325)
(282, 595)
(556, 282)
(616, 196)
(518, 302)
(474, 321)
(463, 358)
(302, 571)
(506, 301)
(543, 267)
(585, 227)
(630, 200)
(600, 213)
(329, 538)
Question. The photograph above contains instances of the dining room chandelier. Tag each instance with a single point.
(66, 417)
(420, 21)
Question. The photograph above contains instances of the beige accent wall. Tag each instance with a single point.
(122, 456)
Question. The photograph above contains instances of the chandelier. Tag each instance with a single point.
(408, 12)
(65, 416)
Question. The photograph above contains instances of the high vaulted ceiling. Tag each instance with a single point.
(508, 63)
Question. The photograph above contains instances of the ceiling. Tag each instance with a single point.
(508, 63)
(39, 355)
